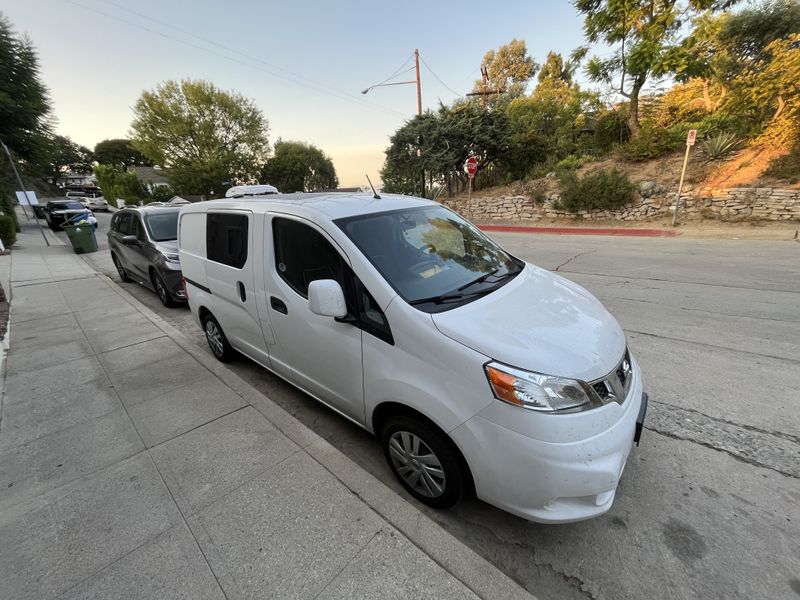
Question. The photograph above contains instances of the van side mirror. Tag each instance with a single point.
(325, 298)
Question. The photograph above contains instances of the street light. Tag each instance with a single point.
(416, 81)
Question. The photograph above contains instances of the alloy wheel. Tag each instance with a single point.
(417, 464)
(214, 337)
(120, 269)
(161, 290)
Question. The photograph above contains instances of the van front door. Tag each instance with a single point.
(322, 355)
(230, 272)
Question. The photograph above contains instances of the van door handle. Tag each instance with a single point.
(278, 305)
(242, 294)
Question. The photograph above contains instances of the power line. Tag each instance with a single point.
(291, 76)
(438, 79)
(397, 73)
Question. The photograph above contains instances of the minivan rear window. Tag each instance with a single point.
(226, 239)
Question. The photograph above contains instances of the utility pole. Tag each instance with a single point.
(485, 91)
(419, 83)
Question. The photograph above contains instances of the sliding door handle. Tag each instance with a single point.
(278, 305)
(242, 293)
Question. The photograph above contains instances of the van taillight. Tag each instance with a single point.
(185, 289)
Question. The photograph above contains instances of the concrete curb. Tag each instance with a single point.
(475, 572)
(615, 231)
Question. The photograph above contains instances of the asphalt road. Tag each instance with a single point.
(709, 504)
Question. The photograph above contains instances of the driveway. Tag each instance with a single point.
(709, 505)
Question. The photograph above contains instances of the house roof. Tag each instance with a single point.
(149, 174)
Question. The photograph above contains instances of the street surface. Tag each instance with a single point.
(709, 505)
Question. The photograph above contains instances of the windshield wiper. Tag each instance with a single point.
(457, 295)
(480, 279)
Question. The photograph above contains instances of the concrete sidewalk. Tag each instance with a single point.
(133, 465)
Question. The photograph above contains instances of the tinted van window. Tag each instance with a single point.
(226, 239)
(303, 255)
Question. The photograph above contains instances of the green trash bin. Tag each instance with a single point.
(81, 237)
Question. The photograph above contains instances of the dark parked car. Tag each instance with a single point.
(58, 212)
(144, 247)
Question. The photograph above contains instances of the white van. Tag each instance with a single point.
(477, 371)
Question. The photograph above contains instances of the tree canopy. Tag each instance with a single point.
(207, 138)
(299, 167)
(643, 34)
(435, 146)
(24, 102)
(63, 155)
(119, 152)
(510, 68)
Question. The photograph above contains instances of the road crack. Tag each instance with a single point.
(569, 260)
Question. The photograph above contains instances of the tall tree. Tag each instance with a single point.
(24, 103)
(24, 109)
(64, 155)
(299, 167)
(510, 69)
(643, 33)
(204, 136)
(119, 152)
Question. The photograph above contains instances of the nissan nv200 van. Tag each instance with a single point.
(479, 373)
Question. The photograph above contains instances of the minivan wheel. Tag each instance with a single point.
(123, 274)
(161, 290)
(216, 339)
(424, 461)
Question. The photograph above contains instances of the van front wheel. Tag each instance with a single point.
(424, 461)
(216, 339)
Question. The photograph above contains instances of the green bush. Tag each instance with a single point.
(651, 142)
(610, 129)
(8, 230)
(606, 189)
(569, 163)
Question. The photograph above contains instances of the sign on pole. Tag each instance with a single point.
(691, 137)
(471, 166)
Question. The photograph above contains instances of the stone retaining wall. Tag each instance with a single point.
(733, 204)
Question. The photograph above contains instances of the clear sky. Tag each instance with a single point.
(304, 62)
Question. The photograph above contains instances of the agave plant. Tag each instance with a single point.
(720, 145)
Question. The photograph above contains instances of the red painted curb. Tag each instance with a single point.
(618, 231)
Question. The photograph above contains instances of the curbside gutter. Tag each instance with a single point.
(475, 572)
(615, 231)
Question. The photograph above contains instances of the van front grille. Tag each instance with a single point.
(615, 386)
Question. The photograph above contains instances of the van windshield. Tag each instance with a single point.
(432, 257)
(163, 226)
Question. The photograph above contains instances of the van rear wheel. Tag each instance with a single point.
(216, 339)
(424, 461)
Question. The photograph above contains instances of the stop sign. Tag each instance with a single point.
(471, 166)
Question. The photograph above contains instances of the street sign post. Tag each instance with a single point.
(471, 167)
(691, 138)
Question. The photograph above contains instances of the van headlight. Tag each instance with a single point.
(539, 392)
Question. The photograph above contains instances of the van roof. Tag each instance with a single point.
(334, 205)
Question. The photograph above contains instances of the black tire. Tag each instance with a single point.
(454, 483)
(219, 346)
(162, 291)
(123, 274)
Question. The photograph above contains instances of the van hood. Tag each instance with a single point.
(539, 322)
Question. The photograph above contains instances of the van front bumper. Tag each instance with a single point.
(549, 481)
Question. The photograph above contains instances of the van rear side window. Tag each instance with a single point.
(226, 239)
